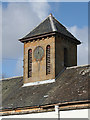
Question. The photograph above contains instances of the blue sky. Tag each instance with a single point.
(20, 18)
(74, 13)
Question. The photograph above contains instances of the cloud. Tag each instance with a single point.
(40, 12)
(24, 0)
(82, 35)
(0, 41)
(18, 20)
(0, 31)
(19, 67)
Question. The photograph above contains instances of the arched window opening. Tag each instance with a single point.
(29, 63)
(48, 59)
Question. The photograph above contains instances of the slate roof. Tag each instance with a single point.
(70, 86)
(49, 25)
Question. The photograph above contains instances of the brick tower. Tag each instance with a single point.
(48, 49)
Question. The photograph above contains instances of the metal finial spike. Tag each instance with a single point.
(50, 14)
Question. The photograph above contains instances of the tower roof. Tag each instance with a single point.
(48, 26)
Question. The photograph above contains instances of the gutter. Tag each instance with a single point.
(53, 107)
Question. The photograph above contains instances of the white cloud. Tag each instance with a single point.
(0, 31)
(39, 11)
(45, 0)
(18, 20)
(82, 35)
(25, 1)
(0, 41)
(19, 67)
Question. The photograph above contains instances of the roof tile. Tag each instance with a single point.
(70, 86)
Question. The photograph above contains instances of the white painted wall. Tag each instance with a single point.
(63, 114)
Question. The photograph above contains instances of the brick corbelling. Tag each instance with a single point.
(38, 37)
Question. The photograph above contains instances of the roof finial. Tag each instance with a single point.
(50, 14)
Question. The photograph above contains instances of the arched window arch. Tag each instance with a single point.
(48, 59)
(29, 63)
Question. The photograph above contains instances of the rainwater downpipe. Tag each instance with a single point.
(57, 111)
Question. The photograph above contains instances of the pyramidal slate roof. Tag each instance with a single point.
(49, 25)
(70, 86)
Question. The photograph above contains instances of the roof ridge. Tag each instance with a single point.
(11, 78)
(60, 23)
(64, 26)
(52, 23)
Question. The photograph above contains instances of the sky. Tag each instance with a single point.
(19, 18)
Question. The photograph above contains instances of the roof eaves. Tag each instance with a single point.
(74, 39)
(37, 36)
(46, 108)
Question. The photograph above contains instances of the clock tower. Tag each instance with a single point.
(48, 49)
